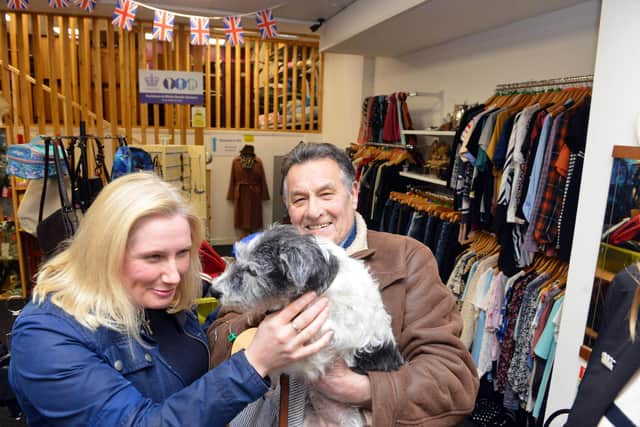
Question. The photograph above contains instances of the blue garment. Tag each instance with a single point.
(393, 218)
(386, 215)
(416, 228)
(63, 374)
(536, 169)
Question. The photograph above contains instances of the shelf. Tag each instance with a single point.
(429, 132)
(422, 177)
(605, 275)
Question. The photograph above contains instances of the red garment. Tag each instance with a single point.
(391, 129)
(628, 231)
(247, 189)
(212, 263)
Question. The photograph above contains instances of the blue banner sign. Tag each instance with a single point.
(171, 87)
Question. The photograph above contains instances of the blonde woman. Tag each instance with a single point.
(110, 337)
(610, 389)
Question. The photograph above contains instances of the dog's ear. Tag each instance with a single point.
(308, 268)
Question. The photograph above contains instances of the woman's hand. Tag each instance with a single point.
(284, 337)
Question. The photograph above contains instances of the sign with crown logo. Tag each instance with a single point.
(171, 87)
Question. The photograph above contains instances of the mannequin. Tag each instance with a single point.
(247, 190)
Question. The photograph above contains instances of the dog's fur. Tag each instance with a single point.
(280, 265)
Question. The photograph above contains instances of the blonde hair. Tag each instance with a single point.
(85, 278)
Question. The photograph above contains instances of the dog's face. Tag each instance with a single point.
(275, 268)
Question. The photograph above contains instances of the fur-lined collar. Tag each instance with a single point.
(360, 242)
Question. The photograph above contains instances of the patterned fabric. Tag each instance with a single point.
(124, 14)
(18, 4)
(508, 342)
(545, 231)
(266, 24)
(87, 5)
(199, 31)
(163, 25)
(27, 160)
(233, 30)
(58, 4)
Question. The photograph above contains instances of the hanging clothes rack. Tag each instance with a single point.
(547, 82)
(387, 145)
(417, 93)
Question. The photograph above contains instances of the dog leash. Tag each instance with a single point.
(283, 415)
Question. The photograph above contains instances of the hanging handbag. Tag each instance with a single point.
(130, 159)
(63, 223)
(86, 189)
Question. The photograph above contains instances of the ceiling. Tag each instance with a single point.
(363, 27)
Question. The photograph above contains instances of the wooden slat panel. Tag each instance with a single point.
(142, 64)
(53, 77)
(5, 78)
(132, 61)
(285, 84)
(85, 70)
(168, 109)
(265, 81)
(218, 71)
(303, 72)
(39, 65)
(626, 152)
(112, 94)
(67, 91)
(177, 49)
(198, 52)
(186, 65)
(227, 85)
(320, 91)
(96, 77)
(16, 103)
(247, 84)
(312, 85)
(123, 79)
(237, 100)
(156, 107)
(72, 72)
(256, 81)
(207, 83)
(22, 38)
(276, 81)
(294, 88)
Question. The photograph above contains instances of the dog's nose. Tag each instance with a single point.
(213, 292)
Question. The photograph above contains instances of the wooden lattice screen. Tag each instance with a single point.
(91, 74)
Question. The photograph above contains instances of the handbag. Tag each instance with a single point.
(63, 223)
(130, 159)
(84, 188)
(30, 204)
(28, 160)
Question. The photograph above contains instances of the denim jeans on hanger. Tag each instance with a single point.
(431, 232)
(416, 228)
(405, 230)
(386, 215)
(447, 248)
(403, 219)
(393, 218)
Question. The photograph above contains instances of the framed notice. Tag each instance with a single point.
(171, 87)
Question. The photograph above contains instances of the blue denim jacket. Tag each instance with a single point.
(66, 375)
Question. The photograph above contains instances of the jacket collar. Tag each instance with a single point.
(360, 250)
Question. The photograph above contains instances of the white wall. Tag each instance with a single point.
(558, 44)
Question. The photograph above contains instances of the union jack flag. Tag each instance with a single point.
(266, 24)
(124, 14)
(233, 30)
(86, 5)
(199, 31)
(163, 25)
(18, 4)
(58, 4)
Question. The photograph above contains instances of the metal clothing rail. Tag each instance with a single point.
(548, 82)
(437, 94)
(380, 144)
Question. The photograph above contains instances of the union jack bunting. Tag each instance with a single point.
(163, 25)
(124, 14)
(58, 4)
(233, 30)
(18, 4)
(266, 24)
(199, 31)
(86, 5)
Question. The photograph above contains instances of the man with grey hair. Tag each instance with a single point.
(438, 384)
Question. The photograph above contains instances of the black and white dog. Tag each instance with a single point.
(280, 265)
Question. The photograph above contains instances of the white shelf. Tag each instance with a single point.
(422, 177)
(429, 132)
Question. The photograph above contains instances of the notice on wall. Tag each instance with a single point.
(198, 117)
(171, 87)
(228, 145)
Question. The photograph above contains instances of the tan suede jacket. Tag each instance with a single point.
(438, 384)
